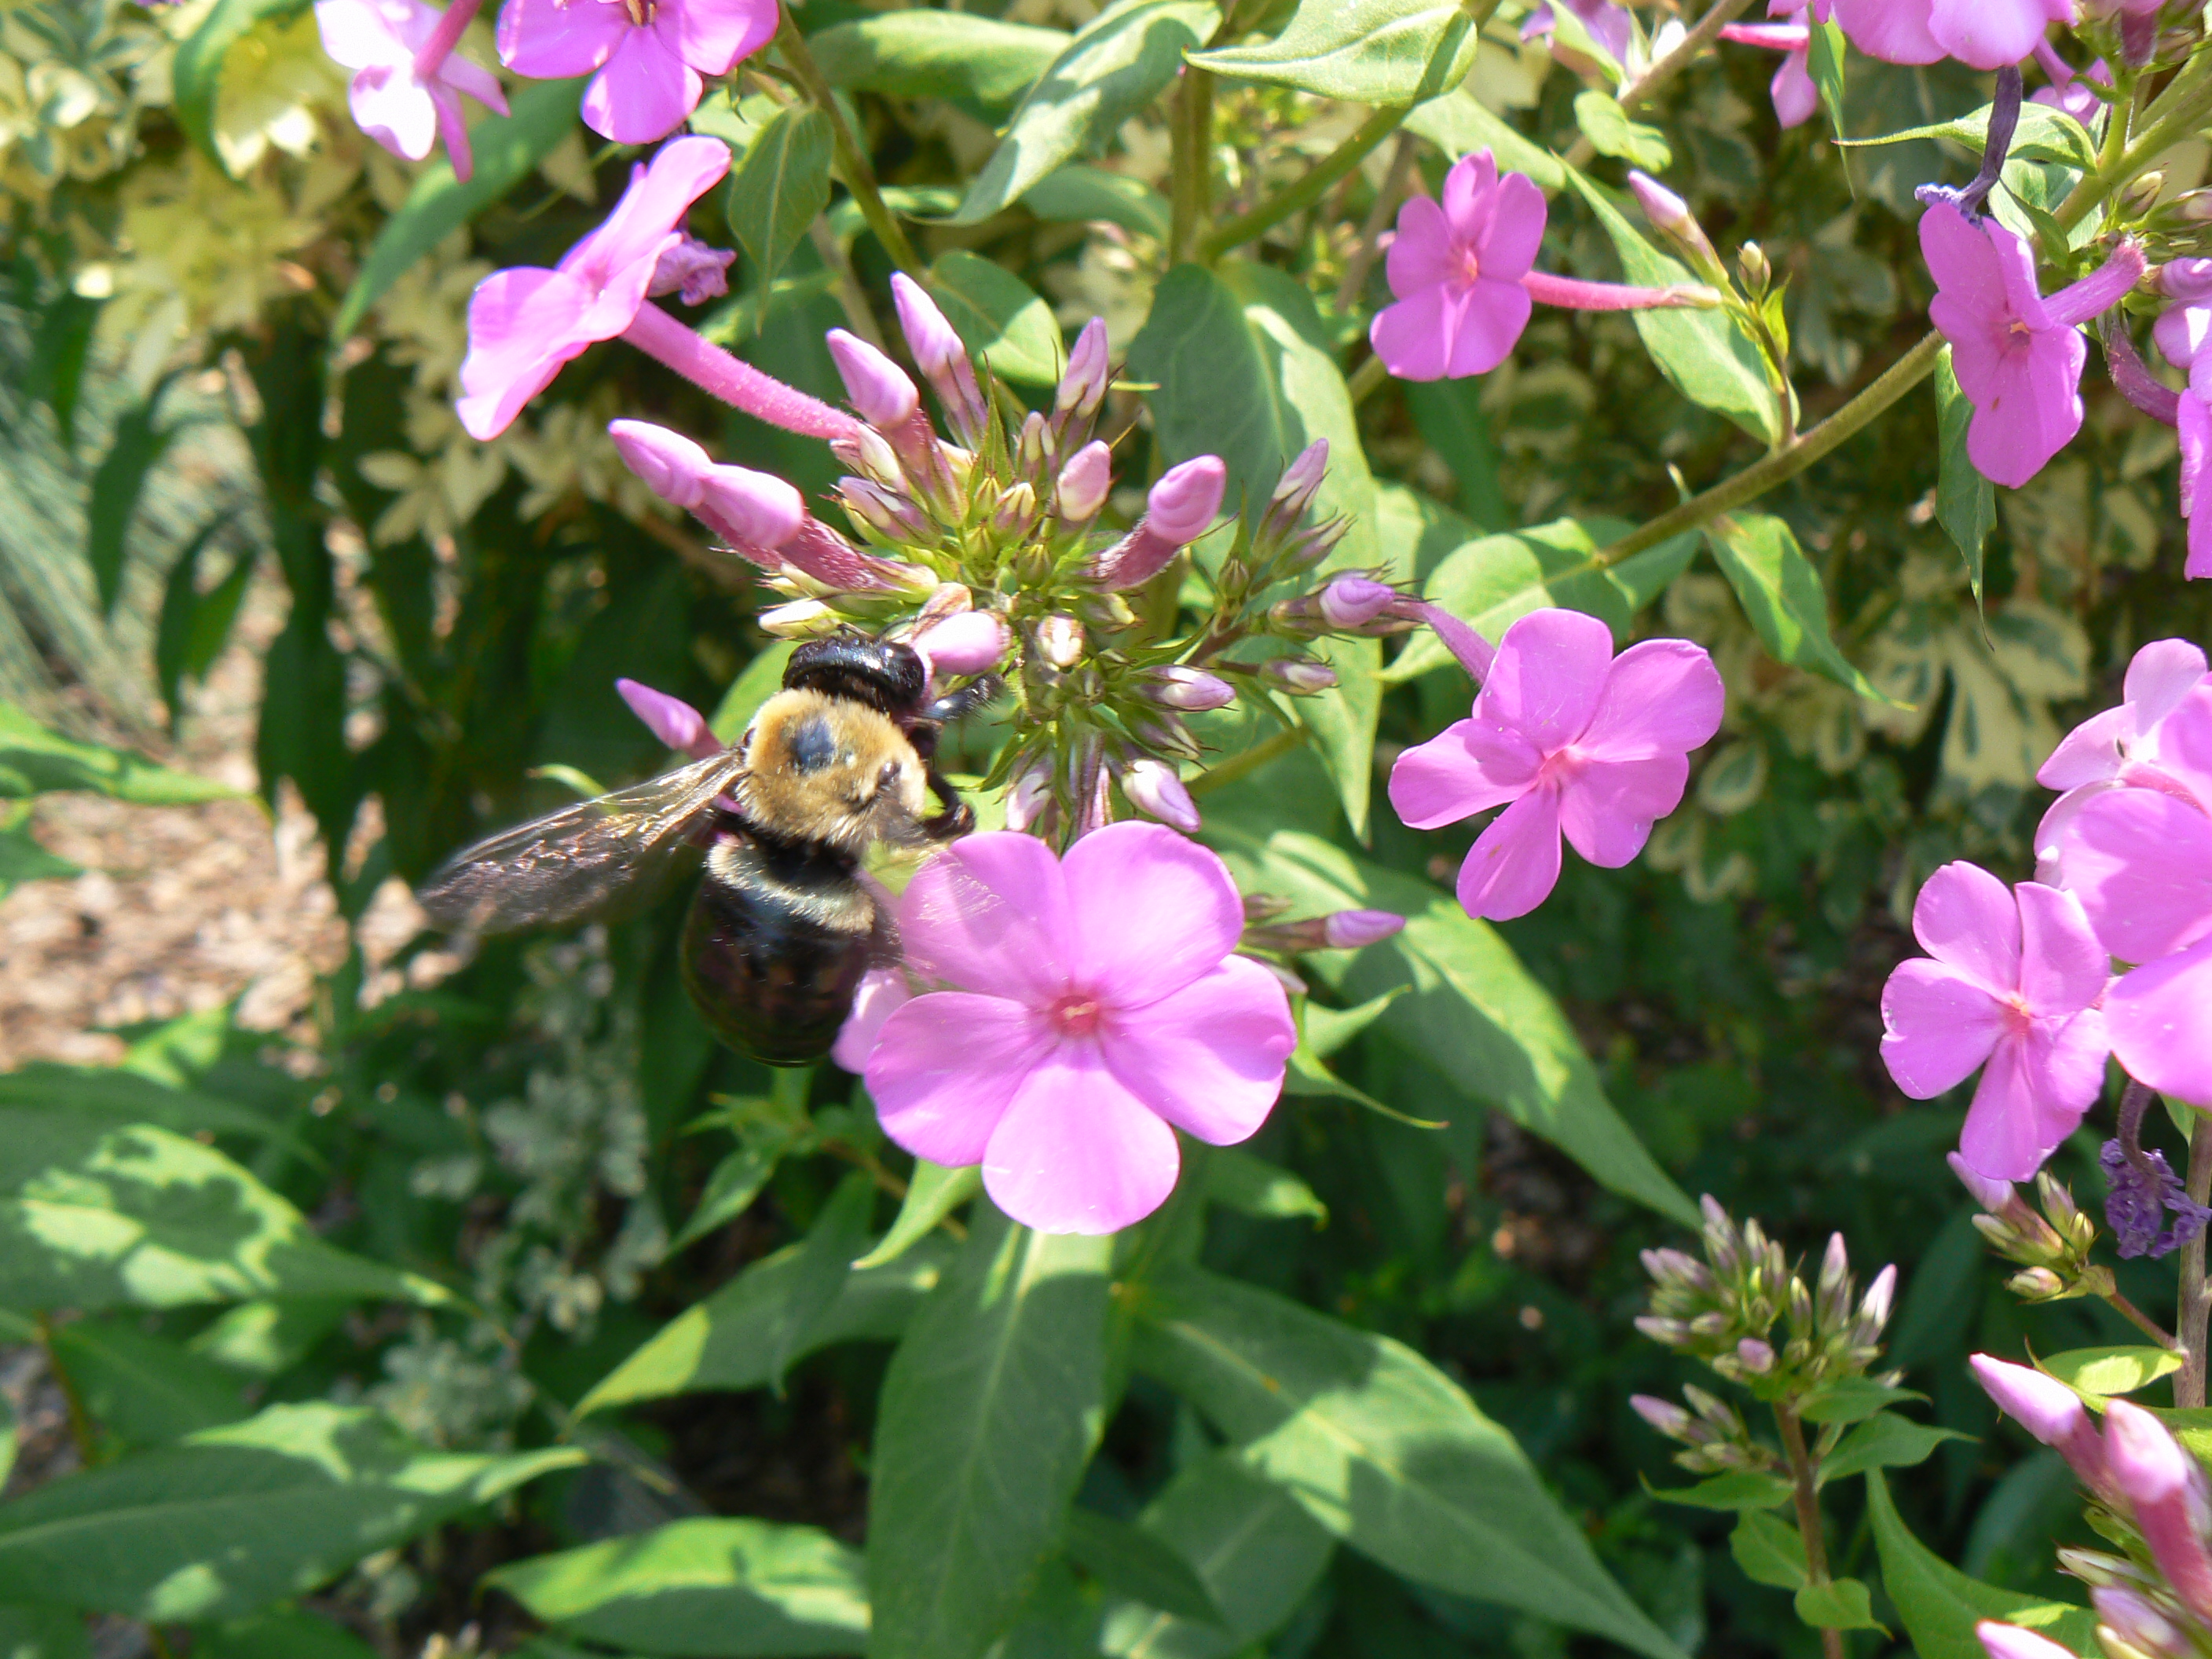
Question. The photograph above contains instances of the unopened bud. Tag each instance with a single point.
(1183, 504)
(877, 387)
(1312, 546)
(933, 341)
(2186, 279)
(1668, 1332)
(1029, 796)
(802, 619)
(1874, 1308)
(1192, 690)
(891, 516)
(866, 448)
(1302, 478)
(671, 719)
(2165, 1487)
(2140, 196)
(1353, 601)
(1060, 640)
(2139, 1624)
(1664, 1415)
(2036, 1284)
(2002, 1641)
(1671, 215)
(1263, 907)
(1164, 734)
(1033, 447)
(1154, 789)
(1355, 930)
(969, 642)
(2049, 1411)
(1083, 386)
(1084, 483)
(1017, 509)
(1755, 1356)
(1750, 259)
(2193, 206)
(1302, 676)
(2094, 1567)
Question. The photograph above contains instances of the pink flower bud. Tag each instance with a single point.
(945, 599)
(1084, 386)
(2160, 1482)
(2185, 279)
(1302, 676)
(1474, 651)
(883, 991)
(1664, 1415)
(877, 387)
(1756, 1357)
(1995, 1196)
(1154, 789)
(1033, 447)
(802, 619)
(1083, 482)
(1017, 509)
(2135, 1621)
(1355, 930)
(890, 515)
(972, 643)
(755, 512)
(1354, 601)
(828, 557)
(1303, 476)
(692, 271)
(1183, 504)
(1060, 640)
(1028, 796)
(671, 719)
(1665, 210)
(934, 342)
(673, 467)
(1192, 690)
(2011, 1642)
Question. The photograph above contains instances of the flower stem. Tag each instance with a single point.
(1193, 161)
(444, 38)
(1367, 247)
(1804, 1492)
(1366, 380)
(860, 175)
(2196, 1309)
(1649, 84)
(735, 382)
(1308, 189)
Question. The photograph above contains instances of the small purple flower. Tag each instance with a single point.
(692, 271)
(2141, 1194)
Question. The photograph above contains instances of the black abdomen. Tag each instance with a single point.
(775, 947)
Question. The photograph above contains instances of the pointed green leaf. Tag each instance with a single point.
(920, 53)
(1940, 1605)
(135, 447)
(1884, 1441)
(933, 1192)
(124, 1097)
(1739, 1490)
(2107, 1372)
(825, 1258)
(1824, 61)
(1965, 502)
(2043, 134)
(736, 1182)
(35, 759)
(999, 317)
(1136, 1563)
(1079, 193)
(1782, 595)
(288, 1633)
(1769, 1550)
(1839, 1604)
(1612, 133)
(141, 1388)
(1459, 123)
(1252, 1186)
(1850, 1400)
(779, 187)
(1366, 52)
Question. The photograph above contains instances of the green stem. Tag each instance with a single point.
(1307, 189)
(1804, 1492)
(1244, 765)
(1787, 462)
(2196, 1310)
(1654, 80)
(1193, 161)
(853, 163)
(1365, 380)
(2174, 116)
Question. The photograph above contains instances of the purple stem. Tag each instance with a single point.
(714, 371)
(2133, 376)
(434, 51)
(1577, 295)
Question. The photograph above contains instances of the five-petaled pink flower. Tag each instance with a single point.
(2141, 860)
(1456, 270)
(2011, 982)
(1099, 1009)
(1577, 739)
(402, 110)
(651, 55)
(2018, 353)
(526, 322)
(1989, 35)
(2117, 749)
(2184, 334)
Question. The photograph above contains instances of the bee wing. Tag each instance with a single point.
(569, 863)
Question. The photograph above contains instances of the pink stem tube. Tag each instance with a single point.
(1575, 295)
(735, 382)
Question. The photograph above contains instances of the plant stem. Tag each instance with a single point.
(1244, 765)
(732, 379)
(1787, 462)
(1654, 80)
(2195, 1306)
(1367, 247)
(1193, 161)
(1804, 1492)
(1366, 380)
(80, 1420)
(1305, 191)
(2141, 1321)
(860, 175)
(2184, 104)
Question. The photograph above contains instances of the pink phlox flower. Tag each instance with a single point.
(671, 719)
(1567, 738)
(2018, 353)
(1988, 34)
(2120, 748)
(2011, 983)
(526, 322)
(1456, 270)
(692, 271)
(2182, 331)
(2069, 88)
(377, 40)
(2141, 858)
(1608, 25)
(1795, 95)
(881, 993)
(2003, 1641)
(1099, 1007)
(651, 55)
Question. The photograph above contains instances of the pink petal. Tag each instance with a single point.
(2161, 1021)
(2160, 676)
(1492, 316)
(391, 106)
(1548, 677)
(2180, 331)
(1412, 337)
(1989, 34)
(1961, 260)
(1660, 697)
(1937, 1026)
(991, 914)
(357, 33)
(2017, 269)
(2033, 408)
(2062, 967)
(1076, 1152)
(1469, 766)
(2013, 1124)
(1796, 98)
(2065, 1060)
(2198, 565)
(1965, 916)
(523, 325)
(2050, 833)
(1210, 1059)
(1608, 809)
(1895, 31)
(1151, 911)
(1515, 863)
(1471, 198)
(1420, 255)
(638, 230)
(2184, 745)
(2090, 753)
(644, 93)
(711, 35)
(883, 991)
(549, 39)
(452, 128)
(943, 1067)
(475, 80)
(2141, 862)
(1516, 229)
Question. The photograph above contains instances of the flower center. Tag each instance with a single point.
(641, 12)
(2017, 1016)
(1078, 1014)
(1561, 766)
(1469, 266)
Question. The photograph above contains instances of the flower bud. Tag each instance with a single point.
(1353, 601)
(970, 642)
(1755, 1356)
(1664, 1415)
(2186, 279)
(941, 357)
(2138, 1623)
(1165, 735)
(1183, 504)
(1017, 509)
(1289, 980)
(1750, 259)
(1473, 652)
(1294, 490)
(802, 619)
(1154, 789)
(1028, 796)
(2193, 206)
(2049, 1411)
(891, 516)
(672, 466)
(1874, 1307)
(2142, 194)
(1312, 546)
(1263, 907)
(1060, 640)
(1192, 690)
(1671, 215)
(1083, 386)
(866, 449)
(671, 719)
(1355, 930)
(2164, 1487)
(2036, 1285)
(877, 387)
(1034, 447)
(1667, 1333)
(2002, 1641)
(1302, 676)
(1084, 483)
(692, 271)
(830, 559)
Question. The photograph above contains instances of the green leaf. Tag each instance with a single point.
(1781, 593)
(1824, 61)
(1704, 355)
(999, 318)
(1367, 52)
(1114, 67)
(825, 1258)
(1341, 722)
(1459, 123)
(234, 1518)
(1473, 1012)
(1251, 1186)
(1083, 194)
(2107, 1372)
(195, 626)
(35, 760)
(196, 79)
(267, 1339)
(1839, 1604)
(23, 859)
(133, 449)
(141, 1388)
(726, 1341)
(44, 1633)
(703, 1589)
(2045, 134)
(1138, 1564)
(933, 1192)
(1738, 1489)
(97, 1215)
(1381, 1447)
(1884, 1441)
(780, 186)
(290, 1633)
(1326, 1030)
(1965, 502)
(124, 1097)
(505, 149)
(1850, 1400)
(1257, 1551)
(989, 1413)
(918, 53)
(1611, 132)
(1941, 1606)
(736, 1182)
(763, 679)
(1769, 1550)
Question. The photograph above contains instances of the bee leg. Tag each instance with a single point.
(956, 819)
(958, 705)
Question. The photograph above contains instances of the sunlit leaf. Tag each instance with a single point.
(1367, 52)
(920, 53)
(1940, 1605)
(1782, 594)
(999, 317)
(780, 186)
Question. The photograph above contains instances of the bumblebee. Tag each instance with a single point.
(783, 924)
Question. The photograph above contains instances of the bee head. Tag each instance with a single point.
(832, 770)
